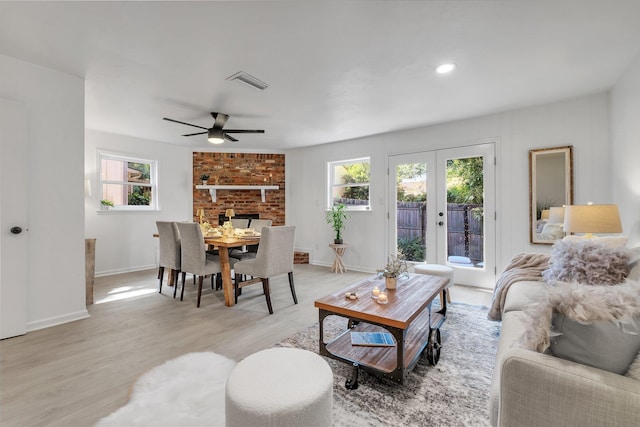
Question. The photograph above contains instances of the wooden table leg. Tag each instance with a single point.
(227, 283)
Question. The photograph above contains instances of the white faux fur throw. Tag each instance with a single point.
(581, 303)
(524, 266)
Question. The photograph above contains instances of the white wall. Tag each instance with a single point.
(55, 132)
(581, 122)
(625, 138)
(124, 240)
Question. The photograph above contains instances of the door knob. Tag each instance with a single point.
(16, 230)
(440, 213)
(440, 223)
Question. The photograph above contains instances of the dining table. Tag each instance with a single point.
(224, 244)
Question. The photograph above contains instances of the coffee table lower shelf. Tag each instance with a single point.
(388, 362)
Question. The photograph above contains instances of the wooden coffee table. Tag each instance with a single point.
(407, 316)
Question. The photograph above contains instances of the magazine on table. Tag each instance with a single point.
(377, 339)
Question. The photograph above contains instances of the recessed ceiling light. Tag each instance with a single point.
(445, 68)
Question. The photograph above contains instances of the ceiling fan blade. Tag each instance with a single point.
(183, 123)
(244, 130)
(219, 120)
(230, 138)
(192, 134)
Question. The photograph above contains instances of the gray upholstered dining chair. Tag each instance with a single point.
(240, 222)
(169, 238)
(194, 258)
(250, 251)
(274, 257)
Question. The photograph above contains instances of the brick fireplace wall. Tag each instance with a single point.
(240, 169)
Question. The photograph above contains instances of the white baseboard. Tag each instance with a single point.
(125, 270)
(348, 267)
(57, 320)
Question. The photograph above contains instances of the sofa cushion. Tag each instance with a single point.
(587, 262)
(608, 345)
(523, 293)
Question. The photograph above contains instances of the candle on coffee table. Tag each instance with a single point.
(382, 297)
(375, 292)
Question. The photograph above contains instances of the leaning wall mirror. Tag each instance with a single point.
(550, 189)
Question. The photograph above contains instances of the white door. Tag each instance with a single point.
(13, 219)
(442, 210)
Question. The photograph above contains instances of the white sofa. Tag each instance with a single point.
(533, 389)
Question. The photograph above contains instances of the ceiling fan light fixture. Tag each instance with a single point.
(249, 80)
(215, 136)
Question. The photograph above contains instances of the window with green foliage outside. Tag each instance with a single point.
(349, 183)
(128, 183)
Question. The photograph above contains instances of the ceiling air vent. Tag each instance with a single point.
(249, 80)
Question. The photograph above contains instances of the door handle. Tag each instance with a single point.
(440, 223)
(16, 230)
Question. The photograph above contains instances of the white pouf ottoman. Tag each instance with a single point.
(437, 270)
(280, 387)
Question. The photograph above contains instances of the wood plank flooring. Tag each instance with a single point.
(76, 373)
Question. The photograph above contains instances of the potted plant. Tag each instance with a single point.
(394, 268)
(204, 177)
(336, 218)
(105, 204)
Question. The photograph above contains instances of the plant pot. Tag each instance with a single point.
(391, 282)
(337, 241)
(204, 182)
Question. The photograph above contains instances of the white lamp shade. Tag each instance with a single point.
(556, 215)
(229, 213)
(592, 219)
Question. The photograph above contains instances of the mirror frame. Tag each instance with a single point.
(533, 187)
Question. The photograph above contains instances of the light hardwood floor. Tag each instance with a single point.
(76, 373)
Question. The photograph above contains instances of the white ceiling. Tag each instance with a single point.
(336, 69)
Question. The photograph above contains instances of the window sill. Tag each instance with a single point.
(127, 211)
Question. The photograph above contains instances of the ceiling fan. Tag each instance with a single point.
(216, 134)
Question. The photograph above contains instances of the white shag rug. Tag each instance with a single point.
(186, 391)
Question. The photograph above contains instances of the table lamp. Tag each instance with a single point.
(592, 218)
(229, 213)
(544, 214)
(556, 215)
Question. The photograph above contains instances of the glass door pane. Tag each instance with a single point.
(412, 234)
(466, 198)
(465, 211)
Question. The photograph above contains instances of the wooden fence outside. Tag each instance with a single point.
(464, 227)
(464, 238)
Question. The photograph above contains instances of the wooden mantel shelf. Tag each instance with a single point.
(212, 189)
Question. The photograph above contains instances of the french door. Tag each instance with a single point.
(442, 210)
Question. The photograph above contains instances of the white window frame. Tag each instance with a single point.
(153, 177)
(331, 185)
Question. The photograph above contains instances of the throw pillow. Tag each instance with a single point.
(596, 325)
(634, 369)
(553, 231)
(587, 262)
(608, 345)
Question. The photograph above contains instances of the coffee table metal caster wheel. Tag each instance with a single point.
(352, 383)
(434, 346)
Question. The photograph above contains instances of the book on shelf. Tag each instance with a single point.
(376, 339)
